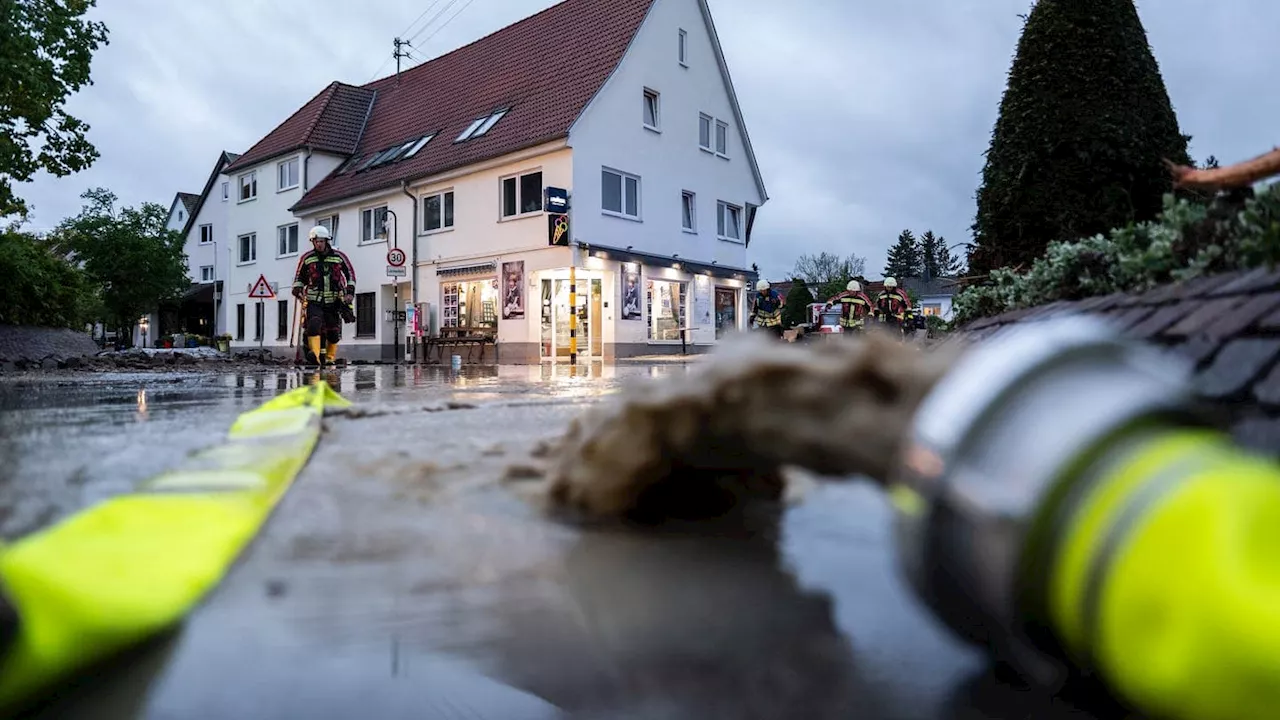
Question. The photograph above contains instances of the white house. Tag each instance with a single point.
(935, 295)
(624, 107)
(207, 252)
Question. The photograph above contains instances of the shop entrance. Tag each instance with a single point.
(555, 317)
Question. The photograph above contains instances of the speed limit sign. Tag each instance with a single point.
(395, 257)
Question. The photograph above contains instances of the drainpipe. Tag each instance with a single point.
(413, 262)
(306, 163)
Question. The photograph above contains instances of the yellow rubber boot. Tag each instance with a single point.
(313, 343)
(332, 352)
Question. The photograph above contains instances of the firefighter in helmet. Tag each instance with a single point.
(855, 306)
(892, 304)
(766, 308)
(326, 282)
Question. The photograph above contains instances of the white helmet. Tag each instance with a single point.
(890, 283)
(319, 231)
(762, 285)
(854, 286)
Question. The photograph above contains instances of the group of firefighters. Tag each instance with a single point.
(891, 306)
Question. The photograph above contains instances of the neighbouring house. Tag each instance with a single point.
(934, 295)
(625, 107)
(164, 319)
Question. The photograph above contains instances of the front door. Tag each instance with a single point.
(555, 294)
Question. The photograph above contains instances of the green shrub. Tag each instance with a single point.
(40, 287)
(796, 310)
(1189, 239)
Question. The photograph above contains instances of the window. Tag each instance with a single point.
(331, 224)
(180, 216)
(282, 319)
(522, 195)
(620, 194)
(240, 321)
(650, 109)
(373, 223)
(469, 303)
(684, 48)
(249, 186)
(722, 139)
(226, 191)
(726, 311)
(421, 143)
(480, 126)
(688, 215)
(437, 211)
(288, 172)
(248, 248)
(665, 301)
(206, 273)
(287, 237)
(206, 234)
(729, 221)
(366, 314)
(259, 319)
(704, 132)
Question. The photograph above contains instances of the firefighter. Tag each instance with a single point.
(892, 304)
(766, 308)
(855, 306)
(326, 282)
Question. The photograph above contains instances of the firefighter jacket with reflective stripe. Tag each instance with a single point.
(893, 303)
(854, 308)
(325, 278)
(768, 310)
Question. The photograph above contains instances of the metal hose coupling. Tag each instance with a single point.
(988, 449)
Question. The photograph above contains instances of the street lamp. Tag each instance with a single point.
(395, 281)
(144, 323)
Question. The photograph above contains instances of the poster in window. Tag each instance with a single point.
(513, 290)
(631, 295)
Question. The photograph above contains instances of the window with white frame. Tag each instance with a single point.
(206, 273)
(287, 240)
(226, 191)
(722, 138)
(729, 222)
(288, 174)
(522, 194)
(704, 131)
(688, 212)
(651, 115)
(206, 234)
(373, 223)
(330, 223)
(249, 186)
(437, 211)
(620, 194)
(481, 126)
(684, 48)
(248, 247)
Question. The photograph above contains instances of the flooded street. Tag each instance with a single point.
(403, 577)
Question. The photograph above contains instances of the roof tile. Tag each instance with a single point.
(1158, 322)
(1235, 367)
(1267, 390)
(1203, 315)
(1271, 321)
(330, 122)
(1251, 281)
(1243, 317)
(1198, 349)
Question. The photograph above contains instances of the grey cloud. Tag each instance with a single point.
(867, 118)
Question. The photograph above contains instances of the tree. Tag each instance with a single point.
(905, 257)
(1084, 127)
(796, 309)
(41, 287)
(46, 49)
(134, 259)
(936, 257)
(830, 272)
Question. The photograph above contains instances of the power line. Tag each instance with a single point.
(415, 21)
(446, 23)
(434, 18)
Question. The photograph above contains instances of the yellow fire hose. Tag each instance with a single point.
(132, 566)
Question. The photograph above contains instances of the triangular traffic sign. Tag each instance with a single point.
(262, 289)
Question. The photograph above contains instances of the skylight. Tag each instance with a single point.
(350, 163)
(482, 125)
(421, 143)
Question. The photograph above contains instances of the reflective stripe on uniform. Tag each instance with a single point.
(111, 576)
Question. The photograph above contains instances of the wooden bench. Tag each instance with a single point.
(470, 342)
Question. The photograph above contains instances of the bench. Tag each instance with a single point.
(470, 342)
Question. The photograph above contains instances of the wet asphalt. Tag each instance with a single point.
(402, 577)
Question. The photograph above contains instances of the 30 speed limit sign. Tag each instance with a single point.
(395, 257)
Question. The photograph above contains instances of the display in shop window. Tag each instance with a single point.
(471, 304)
(631, 294)
(513, 290)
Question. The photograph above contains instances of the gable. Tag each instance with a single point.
(224, 158)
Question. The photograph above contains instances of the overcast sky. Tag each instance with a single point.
(866, 117)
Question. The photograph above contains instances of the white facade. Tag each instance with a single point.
(939, 305)
(177, 214)
(264, 238)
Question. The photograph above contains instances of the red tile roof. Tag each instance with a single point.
(330, 122)
(546, 68)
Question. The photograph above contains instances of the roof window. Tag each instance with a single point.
(480, 126)
(421, 143)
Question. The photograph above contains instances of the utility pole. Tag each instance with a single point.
(400, 54)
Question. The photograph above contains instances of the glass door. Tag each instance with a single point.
(587, 330)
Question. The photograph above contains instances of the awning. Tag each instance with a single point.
(200, 292)
(696, 267)
(472, 269)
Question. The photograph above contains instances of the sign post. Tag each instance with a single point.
(395, 271)
(263, 291)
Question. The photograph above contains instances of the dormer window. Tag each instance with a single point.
(480, 126)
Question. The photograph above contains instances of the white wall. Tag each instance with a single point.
(611, 133)
(177, 215)
(943, 300)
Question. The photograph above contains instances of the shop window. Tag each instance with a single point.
(665, 301)
(366, 314)
(282, 319)
(726, 311)
(469, 304)
(240, 321)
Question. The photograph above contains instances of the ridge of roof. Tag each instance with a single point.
(321, 122)
(224, 159)
(1226, 325)
(188, 200)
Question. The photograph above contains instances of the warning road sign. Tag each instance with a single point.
(262, 289)
(395, 257)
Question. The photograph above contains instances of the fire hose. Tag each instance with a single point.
(1064, 502)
